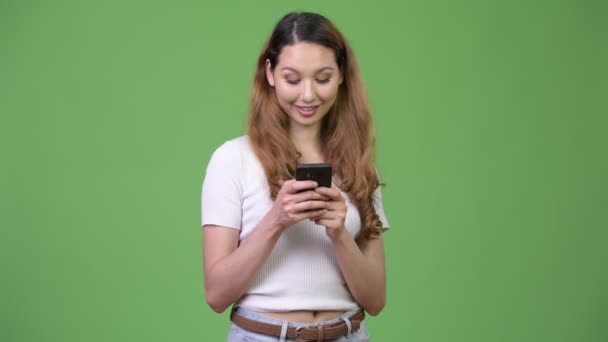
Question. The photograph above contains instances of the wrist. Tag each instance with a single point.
(338, 236)
(272, 225)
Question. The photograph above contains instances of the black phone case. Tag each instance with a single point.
(320, 173)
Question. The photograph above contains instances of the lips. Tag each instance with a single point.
(307, 110)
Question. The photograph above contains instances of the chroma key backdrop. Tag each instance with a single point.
(492, 139)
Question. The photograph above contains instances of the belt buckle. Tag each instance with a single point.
(298, 332)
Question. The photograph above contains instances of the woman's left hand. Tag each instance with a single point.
(334, 217)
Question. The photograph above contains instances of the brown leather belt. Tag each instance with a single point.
(317, 332)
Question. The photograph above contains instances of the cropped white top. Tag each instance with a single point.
(301, 272)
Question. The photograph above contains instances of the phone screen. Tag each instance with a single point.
(320, 173)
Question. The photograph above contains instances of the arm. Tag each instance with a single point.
(362, 265)
(229, 270)
(362, 262)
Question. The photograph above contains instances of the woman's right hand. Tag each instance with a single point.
(297, 201)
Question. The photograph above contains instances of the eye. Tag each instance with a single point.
(323, 81)
(294, 82)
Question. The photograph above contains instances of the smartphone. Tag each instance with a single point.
(320, 173)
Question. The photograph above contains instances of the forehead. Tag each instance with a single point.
(306, 57)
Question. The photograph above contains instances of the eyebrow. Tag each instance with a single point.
(318, 71)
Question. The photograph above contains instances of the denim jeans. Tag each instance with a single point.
(238, 334)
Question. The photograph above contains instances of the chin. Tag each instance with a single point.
(310, 121)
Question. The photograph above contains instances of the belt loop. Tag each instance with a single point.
(350, 327)
(283, 336)
(320, 333)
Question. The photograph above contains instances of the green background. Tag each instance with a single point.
(492, 134)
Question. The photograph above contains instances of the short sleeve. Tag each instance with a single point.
(377, 197)
(222, 189)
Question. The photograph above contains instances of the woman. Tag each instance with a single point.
(300, 262)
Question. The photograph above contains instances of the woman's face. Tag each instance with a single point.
(306, 81)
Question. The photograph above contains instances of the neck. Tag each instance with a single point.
(307, 141)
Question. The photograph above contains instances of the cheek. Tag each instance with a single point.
(328, 93)
(286, 93)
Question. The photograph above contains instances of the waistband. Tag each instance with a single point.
(261, 318)
(250, 320)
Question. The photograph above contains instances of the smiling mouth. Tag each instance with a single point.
(307, 108)
(307, 111)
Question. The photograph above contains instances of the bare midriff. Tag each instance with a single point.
(303, 316)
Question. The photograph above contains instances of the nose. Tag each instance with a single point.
(309, 93)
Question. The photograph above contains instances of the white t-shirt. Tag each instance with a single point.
(301, 272)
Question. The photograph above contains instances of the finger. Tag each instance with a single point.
(319, 216)
(311, 214)
(310, 205)
(286, 185)
(297, 186)
(324, 222)
(332, 193)
(329, 215)
(308, 195)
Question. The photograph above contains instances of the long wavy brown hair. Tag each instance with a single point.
(347, 133)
